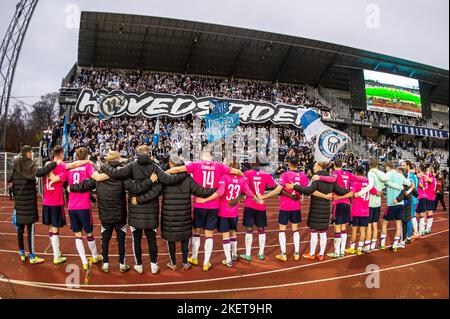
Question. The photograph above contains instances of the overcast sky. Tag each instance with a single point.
(416, 30)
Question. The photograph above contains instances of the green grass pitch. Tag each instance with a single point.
(392, 94)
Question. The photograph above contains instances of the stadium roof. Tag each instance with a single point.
(126, 41)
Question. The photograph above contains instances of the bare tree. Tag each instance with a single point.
(17, 133)
(43, 113)
(26, 127)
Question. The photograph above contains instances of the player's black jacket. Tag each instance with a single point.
(146, 215)
(319, 212)
(23, 181)
(111, 197)
(176, 217)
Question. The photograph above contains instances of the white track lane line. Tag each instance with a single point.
(197, 292)
(68, 224)
(179, 253)
(216, 279)
(201, 235)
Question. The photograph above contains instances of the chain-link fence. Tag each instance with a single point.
(6, 168)
(6, 160)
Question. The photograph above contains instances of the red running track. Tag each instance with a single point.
(419, 271)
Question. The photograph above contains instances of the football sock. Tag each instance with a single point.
(396, 239)
(414, 226)
(233, 242)
(80, 248)
(360, 245)
(248, 243)
(262, 241)
(296, 236)
(429, 222)
(92, 246)
(282, 240)
(337, 243)
(227, 249)
(373, 246)
(209, 242)
(343, 241)
(54, 238)
(195, 245)
(383, 240)
(323, 243)
(313, 244)
(421, 225)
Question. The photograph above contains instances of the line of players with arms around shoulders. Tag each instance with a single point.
(349, 199)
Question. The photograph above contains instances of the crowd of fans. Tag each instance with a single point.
(388, 118)
(125, 133)
(201, 86)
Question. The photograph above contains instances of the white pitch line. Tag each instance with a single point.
(201, 235)
(219, 278)
(272, 211)
(178, 253)
(8, 221)
(26, 283)
(158, 236)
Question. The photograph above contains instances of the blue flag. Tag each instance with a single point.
(219, 107)
(219, 126)
(156, 134)
(65, 137)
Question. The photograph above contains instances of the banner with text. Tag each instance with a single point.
(419, 131)
(118, 103)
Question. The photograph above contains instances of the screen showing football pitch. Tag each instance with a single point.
(392, 94)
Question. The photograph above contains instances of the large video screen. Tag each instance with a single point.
(392, 94)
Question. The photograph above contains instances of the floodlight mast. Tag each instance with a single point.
(9, 55)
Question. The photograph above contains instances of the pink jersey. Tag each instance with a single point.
(291, 177)
(360, 205)
(422, 191)
(431, 189)
(230, 187)
(258, 181)
(343, 179)
(208, 175)
(53, 192)
(78, 201)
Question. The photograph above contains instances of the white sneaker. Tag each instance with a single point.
(401, 245)
(139, 269)
(105, 267)
(154, 268)
(123, 267)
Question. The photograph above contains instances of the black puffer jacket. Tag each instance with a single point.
(319, 212)
(143, 216)
(23, 181)
(112, 202)
(176, 218)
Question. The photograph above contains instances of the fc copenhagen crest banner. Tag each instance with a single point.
(119, 103)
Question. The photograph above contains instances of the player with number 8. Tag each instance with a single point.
(53, 214)
(79, 205)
